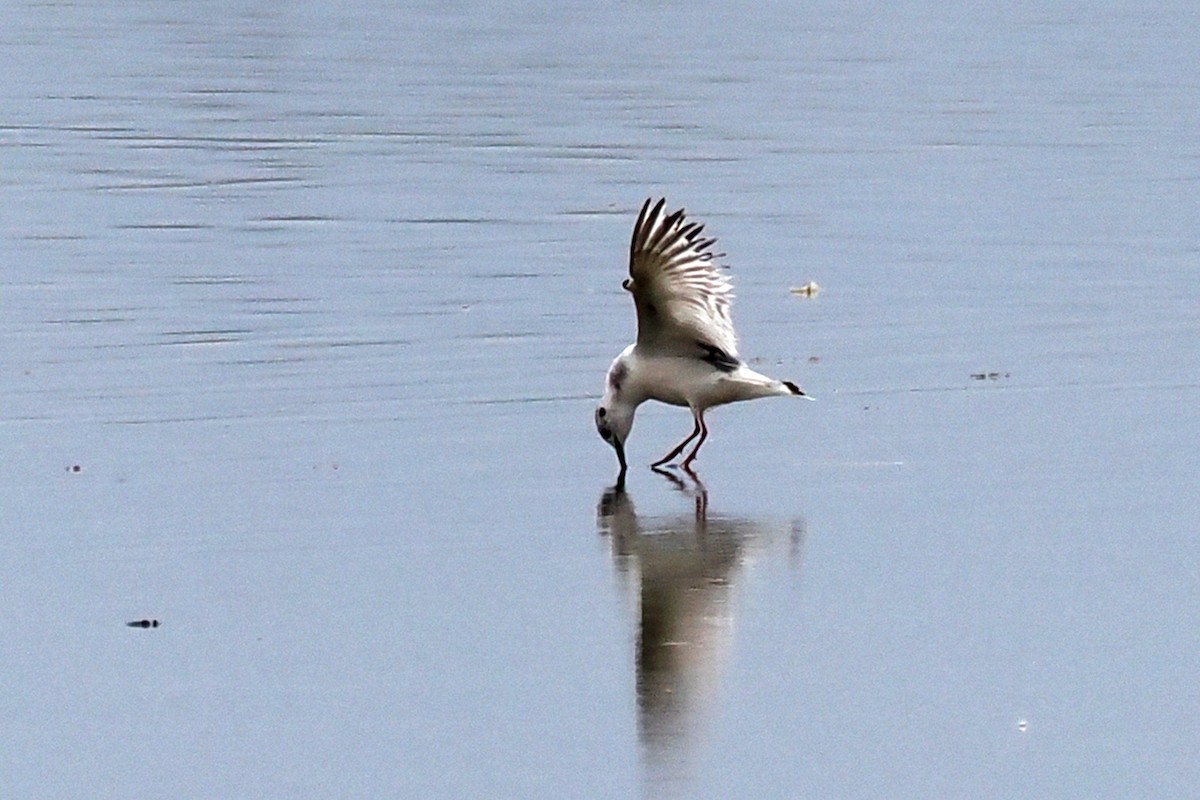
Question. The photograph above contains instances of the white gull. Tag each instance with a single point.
(686, 350)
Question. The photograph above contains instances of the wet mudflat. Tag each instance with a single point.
(303, 314)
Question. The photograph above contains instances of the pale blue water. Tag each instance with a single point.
(319, 300)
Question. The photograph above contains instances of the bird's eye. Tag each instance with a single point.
(602, 413)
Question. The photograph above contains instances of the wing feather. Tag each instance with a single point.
(682, 295)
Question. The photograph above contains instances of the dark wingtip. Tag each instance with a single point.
(794, 389)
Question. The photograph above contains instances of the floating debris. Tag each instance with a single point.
(74, 468)
(144, 623)
(989, 376)
(809, 289)
(1022, 725)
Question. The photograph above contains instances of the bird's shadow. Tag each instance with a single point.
(679, 573)
(690, 485)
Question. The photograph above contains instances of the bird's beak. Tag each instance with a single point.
(620, 448)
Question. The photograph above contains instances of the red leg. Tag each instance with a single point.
(703, 435)
(679, 448)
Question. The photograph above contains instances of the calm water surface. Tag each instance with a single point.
(318, 299)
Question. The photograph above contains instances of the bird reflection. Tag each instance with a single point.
(680, 572)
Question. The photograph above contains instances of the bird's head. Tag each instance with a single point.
(613, 423)
(614, 415)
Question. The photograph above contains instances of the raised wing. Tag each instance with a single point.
(682, 295)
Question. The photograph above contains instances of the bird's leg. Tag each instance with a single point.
(703, 435)
(679, 448)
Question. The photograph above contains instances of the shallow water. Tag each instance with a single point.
(318, 300)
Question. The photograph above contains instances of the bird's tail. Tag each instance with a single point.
(793, 389)
(755, 384)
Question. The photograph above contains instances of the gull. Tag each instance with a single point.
(686, 351)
